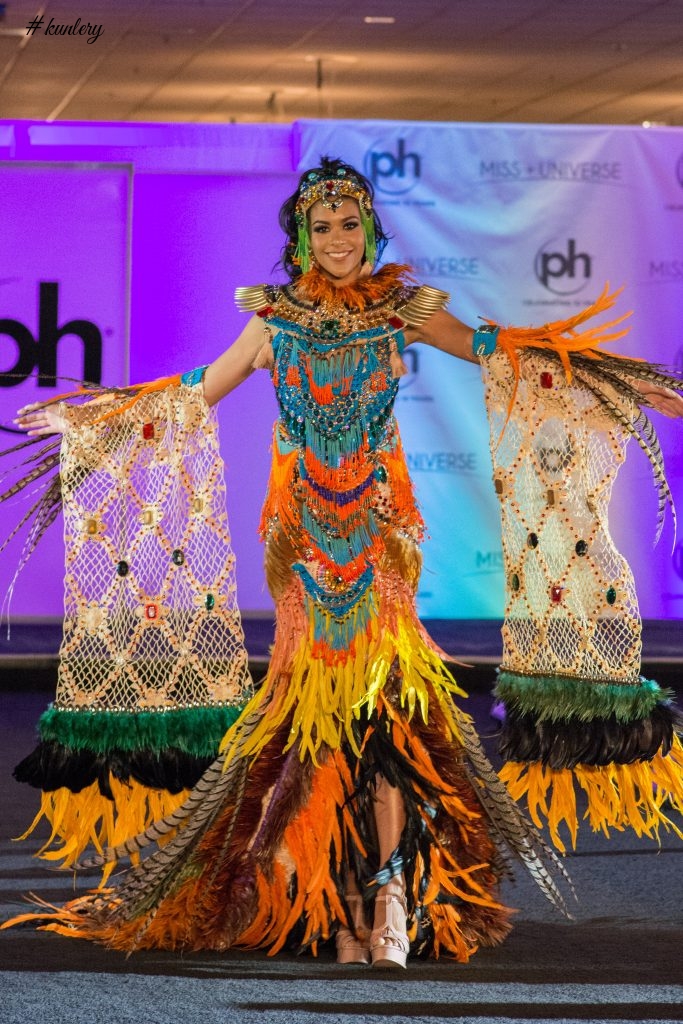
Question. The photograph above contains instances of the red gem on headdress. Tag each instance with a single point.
(556, 594)
(264, 312)
(148, 431)
(546, 379)
(330, 186)
(151, 612)
(395, 321)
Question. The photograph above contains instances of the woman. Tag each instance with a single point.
(351, 796)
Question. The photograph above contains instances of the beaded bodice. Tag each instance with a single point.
(339, 474)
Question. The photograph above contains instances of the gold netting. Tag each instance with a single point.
(571, 606)
(151, 619)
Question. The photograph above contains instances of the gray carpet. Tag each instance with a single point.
(620, 959)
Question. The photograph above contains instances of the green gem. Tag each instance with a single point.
(514, 581)
(581, 547)
(611, 595)
(209, 602)
(122, 568)
(178, 557)
(329, 328)
(381, 474)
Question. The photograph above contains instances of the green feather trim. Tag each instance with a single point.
(561, 697)
(302, 253)
(368, 223)
(196, 731)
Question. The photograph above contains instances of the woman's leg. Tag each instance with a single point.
(389, 942)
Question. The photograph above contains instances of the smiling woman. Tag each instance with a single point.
(338, 240)
(351, 797)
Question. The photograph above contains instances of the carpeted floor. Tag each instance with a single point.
(621, 959)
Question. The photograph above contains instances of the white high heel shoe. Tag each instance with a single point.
(353, 945)
(389, 945)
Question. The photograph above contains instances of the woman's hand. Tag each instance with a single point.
(37, 419)
(664, 400)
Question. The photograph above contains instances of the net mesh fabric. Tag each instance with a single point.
(571, 606)
(151, 618)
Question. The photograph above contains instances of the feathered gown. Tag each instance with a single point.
(262, 852)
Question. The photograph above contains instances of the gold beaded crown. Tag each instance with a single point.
(331, 192)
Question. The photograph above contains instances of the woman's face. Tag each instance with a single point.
(337, 240)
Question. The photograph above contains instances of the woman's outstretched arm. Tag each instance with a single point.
(222, 377)
(444, 331)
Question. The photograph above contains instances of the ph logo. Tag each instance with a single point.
(563, 273)
(393, 173)
(41, 352)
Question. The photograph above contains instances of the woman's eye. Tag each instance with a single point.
(320, 228)
(351, 225)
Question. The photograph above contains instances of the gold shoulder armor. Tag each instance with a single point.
(252, 299)
(422, 304)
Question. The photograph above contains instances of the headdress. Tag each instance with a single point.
(331, 190)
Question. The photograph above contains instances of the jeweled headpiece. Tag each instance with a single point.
(331, 192)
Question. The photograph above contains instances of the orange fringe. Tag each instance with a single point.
(619, 796)
(562, 338)
(316, 288)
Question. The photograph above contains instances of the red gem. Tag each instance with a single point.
(148, 431)
(264, 312)
(151, 611)
(330, 186)
(395, 321)
(546, 379)
(556, 594)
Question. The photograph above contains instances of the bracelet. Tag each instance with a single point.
(484, 339)
(195, 376)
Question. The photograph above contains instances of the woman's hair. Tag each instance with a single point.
(328, 169)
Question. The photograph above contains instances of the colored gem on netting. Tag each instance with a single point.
(514, 581)
(91, 527)
(148, 431)
(581, 547)
(381, 474)
(556, 594)
(151, 611)
(122, 568)
(209, 602)
(546, 379)
(611, 595)
(197, 504)
(550, 496)
(532, 540)
(498, 485)
(178, 557)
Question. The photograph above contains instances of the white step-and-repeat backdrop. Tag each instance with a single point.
(520, 223)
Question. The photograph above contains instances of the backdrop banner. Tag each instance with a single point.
(523, 224)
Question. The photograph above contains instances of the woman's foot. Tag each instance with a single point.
(389, 944)
(353, 944)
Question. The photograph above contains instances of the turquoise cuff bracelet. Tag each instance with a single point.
(195, 376)
(484, 340)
